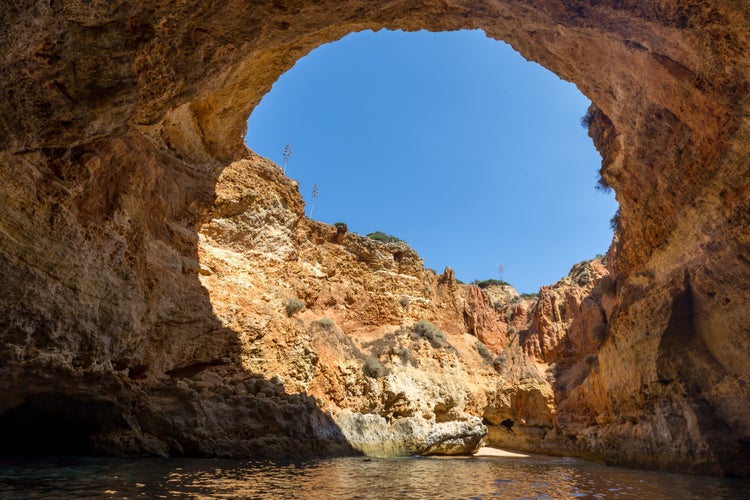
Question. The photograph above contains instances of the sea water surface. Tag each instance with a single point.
(469, 477)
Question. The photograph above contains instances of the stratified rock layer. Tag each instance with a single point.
(145, 285)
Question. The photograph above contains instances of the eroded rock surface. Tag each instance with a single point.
(148, 259)
(347, 319)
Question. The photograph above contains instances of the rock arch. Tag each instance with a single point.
(118, 118)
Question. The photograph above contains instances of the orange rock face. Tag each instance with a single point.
(149, 260)
(333, 315)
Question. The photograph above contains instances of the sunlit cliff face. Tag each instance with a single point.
(450, 141)
(118, 120)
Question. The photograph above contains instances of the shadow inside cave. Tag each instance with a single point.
(50, 423)
(265, 422)
(101, 348)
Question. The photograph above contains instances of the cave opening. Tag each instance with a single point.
(54, 424)
(450, 141)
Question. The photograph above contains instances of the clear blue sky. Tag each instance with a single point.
(450, 141)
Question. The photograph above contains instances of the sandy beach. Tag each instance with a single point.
(486, 451)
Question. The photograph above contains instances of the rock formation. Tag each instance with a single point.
(346, 319)
(150, 262)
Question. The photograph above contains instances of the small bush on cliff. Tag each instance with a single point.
(387, 238)
(500, 363)
(293, 307)
(490, 282)
(588, 117)
(602, 185)
(341, 226)
(406, 356)
(484, 351)
(325, 323)
(384, 345)
(426, 330)
(614, 222)
(373, 368)
(389, 346)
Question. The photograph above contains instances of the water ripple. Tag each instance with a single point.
(355, 478)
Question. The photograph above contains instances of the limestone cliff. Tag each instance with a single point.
(148, 259)
(388, 348)
(347, 319)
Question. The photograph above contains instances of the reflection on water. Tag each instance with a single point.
(486, 477)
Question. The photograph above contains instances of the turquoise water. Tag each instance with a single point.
(486, 477)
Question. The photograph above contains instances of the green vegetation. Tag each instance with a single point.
(602, 185)
(387, 238)
(614, 222)
(588, 117)
(390, 346)
(484, 351)
(489, 282)
(406, 356)
(373, 368)
(315, 193)
(500, 363)
(325, 323)
(426, 330)
(530, 295)
(287, 155)
(402, 345)
(293, 307)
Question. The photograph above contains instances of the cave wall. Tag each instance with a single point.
(118, 119)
